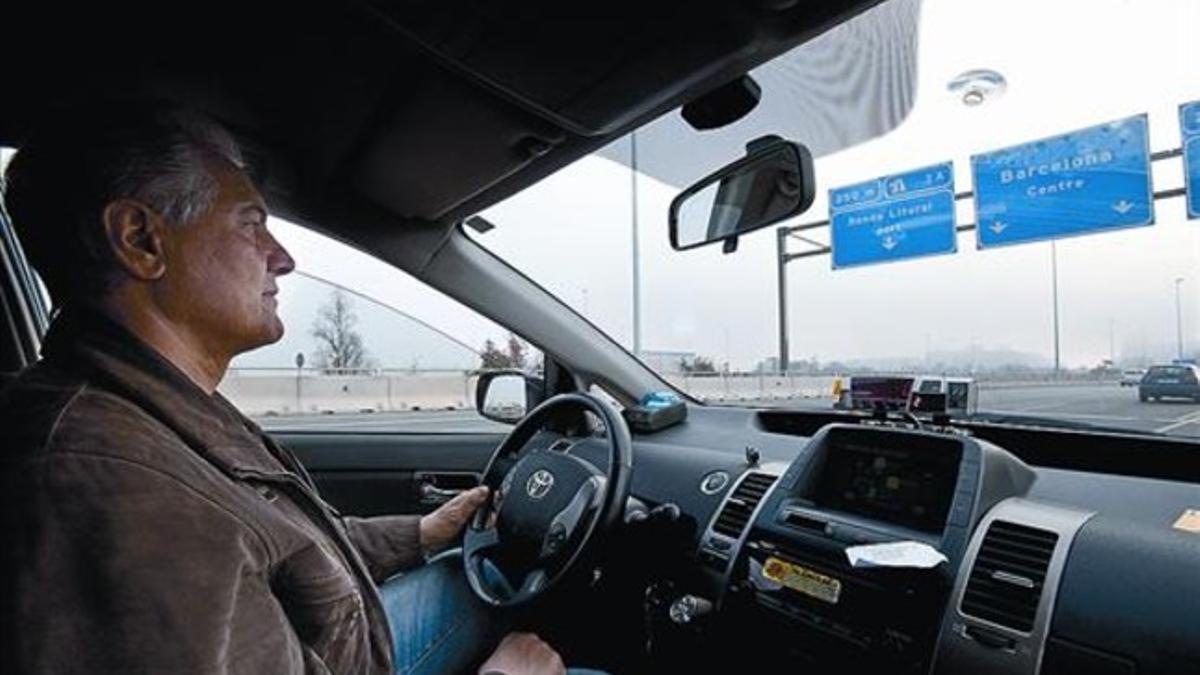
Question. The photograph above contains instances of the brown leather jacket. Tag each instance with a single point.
(151, 528)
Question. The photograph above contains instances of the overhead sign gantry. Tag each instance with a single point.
(1085, 181)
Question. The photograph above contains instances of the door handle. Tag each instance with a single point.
(434, 488)
(432, 493)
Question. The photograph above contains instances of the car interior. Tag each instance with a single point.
(723, 539)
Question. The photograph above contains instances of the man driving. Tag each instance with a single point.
(154, 528)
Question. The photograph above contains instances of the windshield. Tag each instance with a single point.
(1043, 328)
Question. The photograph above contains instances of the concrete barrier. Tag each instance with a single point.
(308, 393)
(732, 387)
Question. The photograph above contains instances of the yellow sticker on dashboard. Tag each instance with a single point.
(1189, 521)
(804, 580)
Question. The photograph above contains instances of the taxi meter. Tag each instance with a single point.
(930, 394)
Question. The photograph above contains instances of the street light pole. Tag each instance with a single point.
(1178, 320)
(299, 370)
(637, 280)
(781, 263)
(1054, 282)
(1112, 343)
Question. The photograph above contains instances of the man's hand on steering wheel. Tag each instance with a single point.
(440, 528)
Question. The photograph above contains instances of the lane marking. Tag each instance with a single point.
(1182, 422)
(1191, 411)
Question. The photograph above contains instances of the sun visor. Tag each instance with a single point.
(845, 87)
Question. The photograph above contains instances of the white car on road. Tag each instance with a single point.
(1132, 377)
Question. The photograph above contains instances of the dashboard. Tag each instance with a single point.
(1034, 570)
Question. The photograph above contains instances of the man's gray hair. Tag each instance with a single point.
(175, 178)
(60, 181)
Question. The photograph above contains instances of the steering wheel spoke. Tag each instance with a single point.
(480, 541)
(566, 523)
(535, 580)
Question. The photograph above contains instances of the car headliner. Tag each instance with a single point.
(367, 116)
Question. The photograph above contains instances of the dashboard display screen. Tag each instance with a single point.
(910, 486)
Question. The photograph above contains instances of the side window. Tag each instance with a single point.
(368, 348)
(32, 311)
(6, 154)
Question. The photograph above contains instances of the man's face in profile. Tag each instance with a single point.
(221, 270)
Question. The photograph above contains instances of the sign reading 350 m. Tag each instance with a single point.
(905, 215)
(1085, 181)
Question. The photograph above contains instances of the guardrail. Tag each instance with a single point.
(732, 387)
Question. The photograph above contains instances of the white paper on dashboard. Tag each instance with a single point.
(896, 554)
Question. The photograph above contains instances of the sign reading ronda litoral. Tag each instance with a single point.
(1089, 180)
(905, 215)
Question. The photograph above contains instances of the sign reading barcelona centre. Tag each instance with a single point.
(1085, 181)
(1189, 123)
(901, 216)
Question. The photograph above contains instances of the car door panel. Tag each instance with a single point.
(382, 473)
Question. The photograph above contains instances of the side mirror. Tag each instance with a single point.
(773, 182)
(506, 395)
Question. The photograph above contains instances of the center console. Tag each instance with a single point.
(786, 573)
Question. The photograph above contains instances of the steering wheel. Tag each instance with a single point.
(545, 506)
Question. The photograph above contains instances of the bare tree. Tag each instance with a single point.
(491, 357)
(515, 354)
(516, 351)
(698, 364)
(340, 346)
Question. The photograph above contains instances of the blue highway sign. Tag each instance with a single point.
(1084, 181)
(905, 215)
(1189, 125)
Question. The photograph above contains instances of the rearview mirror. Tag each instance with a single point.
(773, 182)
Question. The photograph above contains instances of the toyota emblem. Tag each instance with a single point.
(539, 484)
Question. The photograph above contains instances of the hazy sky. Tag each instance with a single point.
(1069, 64)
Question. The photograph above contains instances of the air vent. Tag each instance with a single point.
(740, 505)
(1006, 581)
